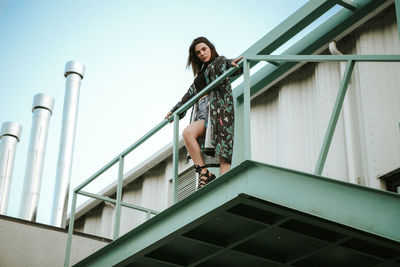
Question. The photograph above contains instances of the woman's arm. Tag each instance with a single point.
(186, 97)
(233, 63)
(222, 64)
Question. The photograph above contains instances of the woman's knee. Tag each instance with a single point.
(193, 131)
(187, 134)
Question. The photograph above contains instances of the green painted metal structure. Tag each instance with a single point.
(277, 201)
(397, 5)
(332, 29)
(263, 215)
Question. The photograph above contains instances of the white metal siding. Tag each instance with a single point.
(289, 121)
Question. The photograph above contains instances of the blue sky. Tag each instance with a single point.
(135, 54)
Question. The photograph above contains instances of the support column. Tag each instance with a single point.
(74, 72)
(397, 5)
(42, 109)
(9, 137)
(242, 141)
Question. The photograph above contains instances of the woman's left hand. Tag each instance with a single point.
(234, 63)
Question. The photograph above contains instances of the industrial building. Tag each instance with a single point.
(315, 179)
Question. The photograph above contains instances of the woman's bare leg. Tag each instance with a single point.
(223, 166)
(190, 135)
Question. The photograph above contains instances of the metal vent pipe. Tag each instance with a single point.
(9, 137)
(42, 109)
(74, 72)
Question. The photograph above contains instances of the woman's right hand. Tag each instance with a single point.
(234, 63)
(168, 115)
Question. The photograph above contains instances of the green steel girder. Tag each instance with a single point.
(346, 214)
(397, 4)
(303, 17)
(351, 5)
(242, 144)
(311, 43)
(334, 117)
(326, 58)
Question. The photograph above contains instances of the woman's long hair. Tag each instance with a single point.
(193, 61)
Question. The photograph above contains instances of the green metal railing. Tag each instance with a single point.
(242, 150)
(351, 60)
(120, 160)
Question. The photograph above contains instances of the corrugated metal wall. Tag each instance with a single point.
(289, 122)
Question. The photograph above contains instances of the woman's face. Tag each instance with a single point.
(202, 52)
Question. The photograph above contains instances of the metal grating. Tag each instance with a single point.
(257, 233)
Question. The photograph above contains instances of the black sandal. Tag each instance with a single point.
(204, 178)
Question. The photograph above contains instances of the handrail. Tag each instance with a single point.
(319, 58)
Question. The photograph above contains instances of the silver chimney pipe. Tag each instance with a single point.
(9, 137)
(74, 72)
(42, 110)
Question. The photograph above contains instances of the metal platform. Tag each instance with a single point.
(262, 215)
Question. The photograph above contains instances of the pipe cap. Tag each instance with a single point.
(11, 128)
(74, 67)
(43, 101)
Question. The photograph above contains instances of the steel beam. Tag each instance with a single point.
(303, 17)
(322, 58)
(350, 5)
(397, 4)
(245, 236)
(334, 117)
(242, 144)
(333, 29)
(124, 204)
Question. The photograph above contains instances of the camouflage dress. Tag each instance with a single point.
(220, 128)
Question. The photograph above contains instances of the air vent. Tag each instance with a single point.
(186, 183)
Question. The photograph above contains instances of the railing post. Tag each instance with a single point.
(397, 5)
(175, 158)
(246, 110)
(242, 142)
(334, 117)
(70, 230)
(117, 215)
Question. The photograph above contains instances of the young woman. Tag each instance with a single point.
(213, 115)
